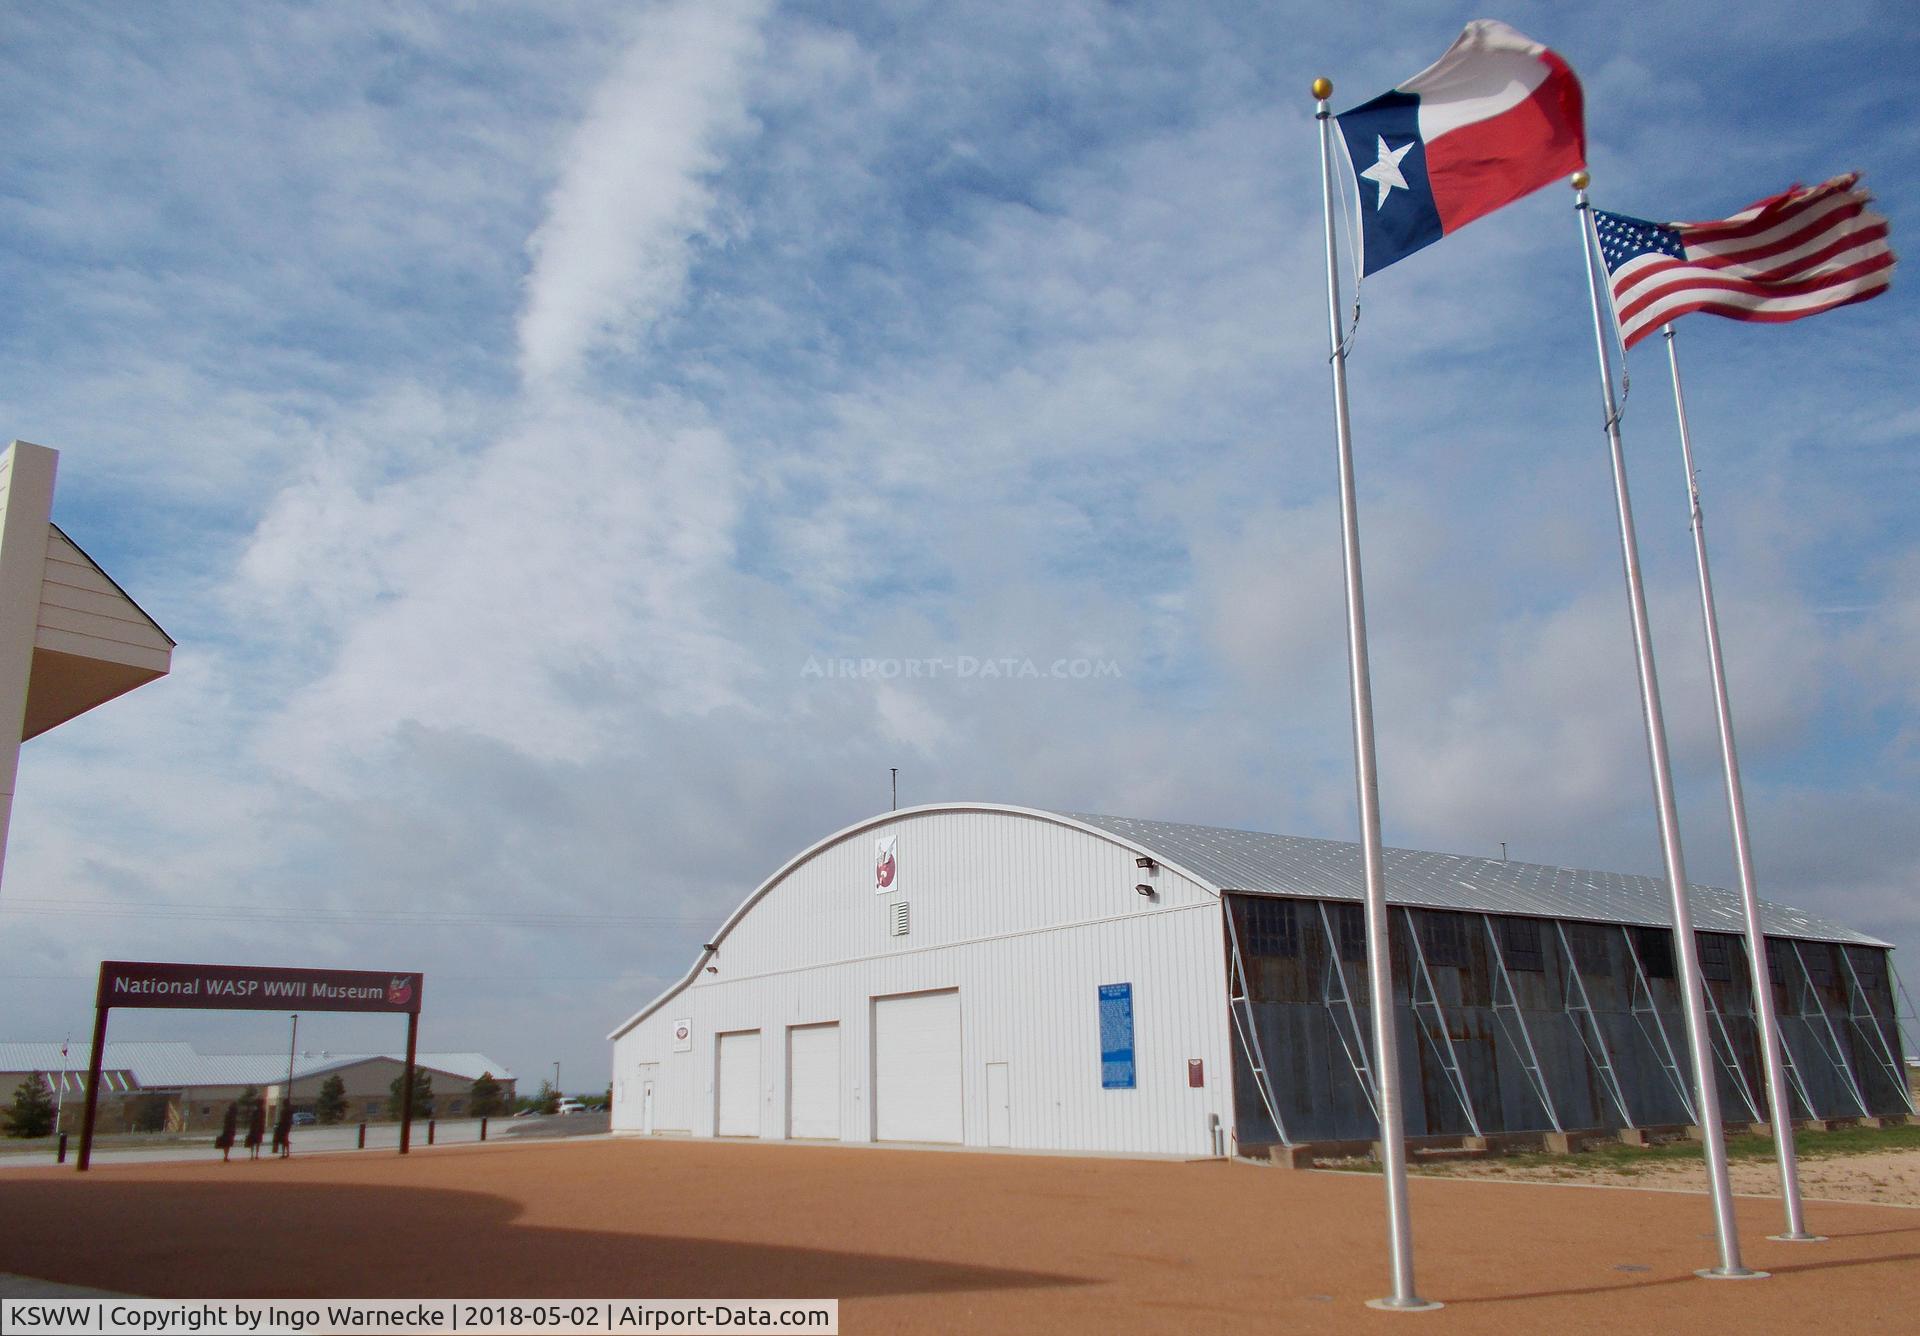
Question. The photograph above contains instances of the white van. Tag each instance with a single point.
(570, 1106)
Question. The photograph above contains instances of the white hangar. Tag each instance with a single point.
(989, 975)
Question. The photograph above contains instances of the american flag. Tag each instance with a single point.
(1797, 253)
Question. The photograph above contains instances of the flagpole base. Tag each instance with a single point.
(1798, 1238)
(1736, 1273)
(1413, 1305)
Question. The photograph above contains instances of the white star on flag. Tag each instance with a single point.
(1386, 172)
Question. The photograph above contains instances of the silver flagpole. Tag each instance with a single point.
(1393, 1137)
(1777, 1107)
(1686, 949)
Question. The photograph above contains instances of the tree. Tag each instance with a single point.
(422, 1094)
(548, 1100)
(330, 1106)
(32, 1111)
(487, 1099)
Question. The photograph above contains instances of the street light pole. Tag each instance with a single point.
(293, 1042)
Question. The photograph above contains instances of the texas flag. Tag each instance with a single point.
(1495, 118)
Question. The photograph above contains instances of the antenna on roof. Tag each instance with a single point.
(896, 786)
(1503, 851)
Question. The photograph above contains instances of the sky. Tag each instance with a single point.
(580, 449)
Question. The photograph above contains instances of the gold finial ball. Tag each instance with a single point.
(1323, 89)
(1579, 180)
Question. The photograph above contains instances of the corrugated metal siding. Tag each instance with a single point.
(1244, 860)
(1319, 1095)
(1027, 918)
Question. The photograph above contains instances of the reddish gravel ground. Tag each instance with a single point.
(915, 1241)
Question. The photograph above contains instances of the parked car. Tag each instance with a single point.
(570, 1106)
(301, 1118)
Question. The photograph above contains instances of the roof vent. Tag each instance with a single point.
(897, 917)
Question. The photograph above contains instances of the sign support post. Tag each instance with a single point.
(406, 1088)
(93, 1083)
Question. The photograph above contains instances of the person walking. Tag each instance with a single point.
(228, 1126)
(283, 1132)
(256, 1128)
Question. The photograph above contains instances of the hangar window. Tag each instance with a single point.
(1870, 966)
(1716, 957)
(1592, 954)
(1520, 943)
(1444, 936)
(1349, 930)
(1272, 927)
(1654, 946)
(1777, 960)
(1819, 958)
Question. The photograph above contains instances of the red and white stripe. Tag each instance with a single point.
(1500, 115)
(1795, 254)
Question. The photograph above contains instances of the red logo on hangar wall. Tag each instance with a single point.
(400, 990)
(883, 864)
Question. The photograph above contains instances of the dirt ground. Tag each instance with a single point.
(914, 1241)
(1891, 1177)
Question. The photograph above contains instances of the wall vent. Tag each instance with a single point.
(897, 917)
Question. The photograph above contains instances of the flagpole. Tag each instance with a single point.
(1763, 1009)
(1686, 948)
(1393, 1139)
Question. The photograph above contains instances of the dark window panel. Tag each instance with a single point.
(1273, 929)
(1520, 941)
(1654, 946)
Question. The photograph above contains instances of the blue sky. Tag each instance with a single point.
(503, 405)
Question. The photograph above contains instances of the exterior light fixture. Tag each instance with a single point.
(1144, 889)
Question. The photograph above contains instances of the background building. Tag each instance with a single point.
(195, 1088)
(1003, 976)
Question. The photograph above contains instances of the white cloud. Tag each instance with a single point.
(635, 192)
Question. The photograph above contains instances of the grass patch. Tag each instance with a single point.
(1613, 1157)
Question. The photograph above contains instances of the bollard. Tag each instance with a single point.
(363, 1136)
(430, 1131)
(483, 1129)
(60, 1156)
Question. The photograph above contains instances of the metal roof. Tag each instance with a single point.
(1246, 860)
(159, 1064)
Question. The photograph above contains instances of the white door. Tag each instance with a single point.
(645, 1075)
(999, 1106)
(737, 1085)
(813, 1081)
(916, 1067)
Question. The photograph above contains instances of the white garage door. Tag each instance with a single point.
(916, 1067)
(813, 1081)
(737, 1077)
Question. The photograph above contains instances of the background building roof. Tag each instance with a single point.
(166, 1064)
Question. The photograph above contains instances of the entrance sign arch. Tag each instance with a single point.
(157, 984)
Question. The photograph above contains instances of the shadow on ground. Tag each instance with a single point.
(292, 1240)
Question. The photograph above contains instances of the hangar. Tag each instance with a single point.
(988, 975)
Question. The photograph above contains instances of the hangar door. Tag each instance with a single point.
(737, 1085)
(813, 1081)
(916, 1067)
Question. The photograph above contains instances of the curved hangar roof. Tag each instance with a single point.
(1222, 859)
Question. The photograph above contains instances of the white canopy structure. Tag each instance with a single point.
(70, 638)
